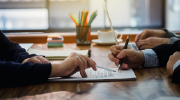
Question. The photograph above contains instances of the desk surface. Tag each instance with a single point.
(151, 83)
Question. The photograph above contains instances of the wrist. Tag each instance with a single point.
(164, 32)
(55, 70)
(143, 58)
(166, 41)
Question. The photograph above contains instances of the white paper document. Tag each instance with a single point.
(26, 46)
(99, 75)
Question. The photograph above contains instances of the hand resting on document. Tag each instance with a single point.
(72, 64)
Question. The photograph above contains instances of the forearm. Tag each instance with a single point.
(17, 74)
(17, 54)
(54, 70)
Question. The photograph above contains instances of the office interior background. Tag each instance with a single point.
(53, 15)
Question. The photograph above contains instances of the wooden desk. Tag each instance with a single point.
(150, 84)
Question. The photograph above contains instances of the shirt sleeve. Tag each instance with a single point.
(151, 59)
(176, 65)
(17, 74)
(173, 39)
(10, 51)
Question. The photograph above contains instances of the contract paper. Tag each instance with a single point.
(99, 75)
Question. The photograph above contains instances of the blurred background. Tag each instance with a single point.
(53, 15)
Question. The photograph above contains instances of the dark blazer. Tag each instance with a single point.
(12, 72)
(164, 52)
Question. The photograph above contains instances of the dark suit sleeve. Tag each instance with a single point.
(17, 74)
(165, 51)
(13, 72)
(10, 51)
(176, 75)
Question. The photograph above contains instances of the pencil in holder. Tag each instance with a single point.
(83, 35)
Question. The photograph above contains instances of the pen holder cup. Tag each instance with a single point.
(83, 35)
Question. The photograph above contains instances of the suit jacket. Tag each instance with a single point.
(172, 36)
(164, 52)
(13, 72)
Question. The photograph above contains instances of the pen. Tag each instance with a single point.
(105, 68)
(125, 47)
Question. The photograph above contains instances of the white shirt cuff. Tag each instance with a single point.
(176, 65)
(151, 59)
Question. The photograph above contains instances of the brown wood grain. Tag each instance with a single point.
(150, 84)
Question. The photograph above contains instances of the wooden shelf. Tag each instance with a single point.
(42, 37)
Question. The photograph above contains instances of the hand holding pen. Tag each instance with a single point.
(131, 58)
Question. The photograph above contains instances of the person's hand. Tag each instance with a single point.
(36, 59)
(72, 64)
(172, 60)
(151, 42)
(131, 57)
(150, 33)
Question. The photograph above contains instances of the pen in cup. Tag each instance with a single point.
(125, 47)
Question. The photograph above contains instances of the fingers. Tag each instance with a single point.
(116, 49)
(113, 59)
(142, 44)
(26, 60)
(83, 67)
(90, 62)
(42, 59)
(137, 38)
(142, 36)
(34, 60)
(128, 53)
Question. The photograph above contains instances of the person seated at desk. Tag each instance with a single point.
(164, 55)
(151, 38)
(18, 68)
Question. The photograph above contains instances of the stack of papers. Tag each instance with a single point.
(57, 54)
(55, 41)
